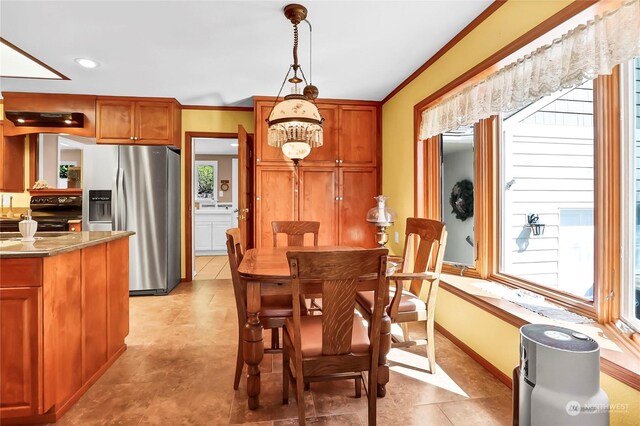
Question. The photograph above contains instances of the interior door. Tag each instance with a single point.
(245, 186)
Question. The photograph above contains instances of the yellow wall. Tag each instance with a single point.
(498, 342)
(492, 338)
(207, 121)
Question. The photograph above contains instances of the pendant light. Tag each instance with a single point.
(295, 124)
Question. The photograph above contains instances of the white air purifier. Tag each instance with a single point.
(560, 378)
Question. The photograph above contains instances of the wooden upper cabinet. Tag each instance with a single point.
(11, 162)
(350, 135)
(115, 121)
(153, 120)
(358, 135)
(265, 154)
(327, 154)
(143, 122)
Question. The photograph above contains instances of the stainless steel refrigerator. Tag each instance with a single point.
(137, 188)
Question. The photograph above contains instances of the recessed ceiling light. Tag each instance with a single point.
(20, 120)
(233, 144)
(87, 63)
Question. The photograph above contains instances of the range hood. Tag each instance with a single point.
(45, 119)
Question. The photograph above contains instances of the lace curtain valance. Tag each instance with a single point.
(581, 54)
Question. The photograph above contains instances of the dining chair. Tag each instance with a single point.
(274, 309)
(334, 345)
(413, 297)
(295, 231)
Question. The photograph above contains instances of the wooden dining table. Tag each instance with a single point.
(266, 272)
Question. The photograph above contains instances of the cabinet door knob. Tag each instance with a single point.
(337, 161)
(341, 161)
(337, 198)
(258, 198)
(131, 138)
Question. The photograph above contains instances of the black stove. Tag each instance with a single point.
(53, 212)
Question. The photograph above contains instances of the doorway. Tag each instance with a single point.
(215, 205)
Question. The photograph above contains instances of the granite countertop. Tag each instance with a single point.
(52, 243)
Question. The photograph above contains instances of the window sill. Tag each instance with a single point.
(619, 354)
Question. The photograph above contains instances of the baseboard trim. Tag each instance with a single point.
(475, 356)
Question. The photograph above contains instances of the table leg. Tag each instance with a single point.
(385, 347)
(253, 348)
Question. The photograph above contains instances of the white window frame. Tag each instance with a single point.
(214, 164)
(627, 197)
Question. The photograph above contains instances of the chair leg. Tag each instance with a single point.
(431, 347)
(239, 362)
(372, 398)
(405, 331)
(286, 374)
(300, 397)
(275, 338)
(358, 387)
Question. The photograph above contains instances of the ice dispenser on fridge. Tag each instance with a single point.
(100, 218)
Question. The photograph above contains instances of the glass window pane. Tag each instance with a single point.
(458, 183)
(547, 192)
(205, 177)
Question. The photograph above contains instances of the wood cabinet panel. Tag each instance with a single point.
(358, 135)
(67, 320)
(21, 272)
(19, 362)
(275, 200)
(327, 154)
(115, 121)
(264, 152)
(358, 186)
(94, 318)
(12, 163)
(49, 102)
(144, 122)
(153, 123)
(318, 201)
(117, 294)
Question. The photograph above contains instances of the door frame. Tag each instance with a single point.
(188, 192)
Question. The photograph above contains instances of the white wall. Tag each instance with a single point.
(457, 166)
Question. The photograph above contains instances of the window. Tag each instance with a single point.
(630, 232)
(458, 200)
(547, 196)
(205, 177)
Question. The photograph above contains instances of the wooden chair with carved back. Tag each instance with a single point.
(295, 231)
(274, 309)
(413, 297)
(334, 345)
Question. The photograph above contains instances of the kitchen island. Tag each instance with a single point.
(64, 315)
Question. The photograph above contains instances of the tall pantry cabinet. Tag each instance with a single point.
(334, 185)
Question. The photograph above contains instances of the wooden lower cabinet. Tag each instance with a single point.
(60, 329)
(19, 322)
(337, 197)
(318, 201)
(276, 199)
(358, 186)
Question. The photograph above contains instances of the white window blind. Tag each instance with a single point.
(583, 53)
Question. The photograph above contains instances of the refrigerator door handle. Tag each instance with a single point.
(123, 205)
(114, 201)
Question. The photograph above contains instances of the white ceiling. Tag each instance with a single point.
(218, 146)
(225, 52)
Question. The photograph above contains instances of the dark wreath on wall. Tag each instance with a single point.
(461, 199)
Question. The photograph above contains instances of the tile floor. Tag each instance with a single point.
(178, 370)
